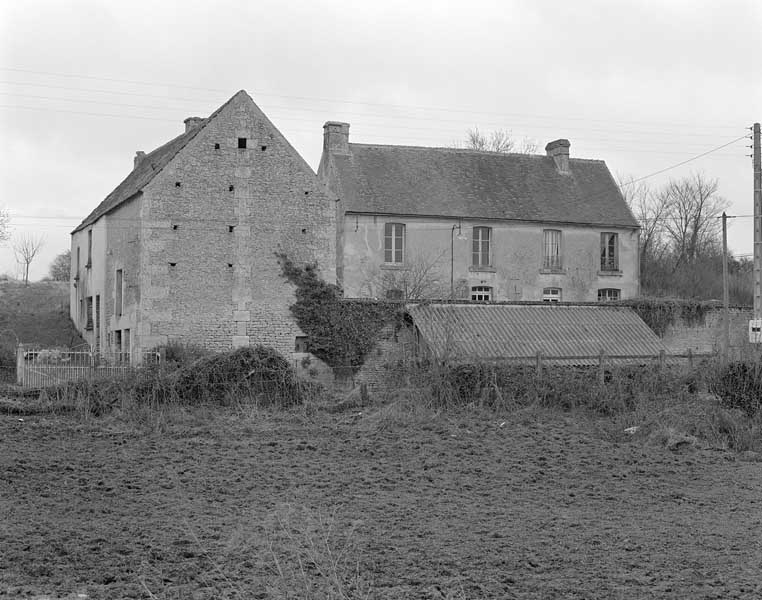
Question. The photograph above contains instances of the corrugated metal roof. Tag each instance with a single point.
(503, 331)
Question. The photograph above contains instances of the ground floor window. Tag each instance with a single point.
(126, 346)
(551, 294)
(481, 293)
(89, 323)
(608, 295)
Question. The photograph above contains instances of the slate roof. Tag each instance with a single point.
(153, 162)
(495, 331)
(448, 182)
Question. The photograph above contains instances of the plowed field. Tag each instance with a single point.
(224, 505)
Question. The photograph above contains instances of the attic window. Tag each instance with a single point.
(231, 188)
(173, 264)
(230, 265)
(174, 227)
(216, 146)
(231, 228)
(306, 193)
(264, 148)
(177, 184)
(241, 142)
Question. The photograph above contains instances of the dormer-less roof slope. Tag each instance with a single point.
(407, 180)
(150, 166)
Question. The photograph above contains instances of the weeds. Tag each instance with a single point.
(314, 556)
(256, 375)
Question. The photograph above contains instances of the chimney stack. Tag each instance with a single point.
(558, 150)
(139, 156)
(192, 123)
(336, 137)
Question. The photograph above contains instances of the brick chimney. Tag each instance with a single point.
(336, 137)
(558, 150)
(192, 123)
(139, 156)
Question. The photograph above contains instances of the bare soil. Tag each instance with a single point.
(532, 505)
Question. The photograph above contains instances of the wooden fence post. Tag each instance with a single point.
(20, 364)
(661, 359)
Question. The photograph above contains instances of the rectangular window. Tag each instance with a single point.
(118, 344)
(551, 249)
(76, 275)
(481, 293)
(608, 295)
(118, 284)
(126, 346)
(394, 243)
(609, 252)
(481, 247)
(551, 294)
(89, 248)
(241, 142)
(89, 313)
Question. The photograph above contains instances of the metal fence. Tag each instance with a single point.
(41, 367)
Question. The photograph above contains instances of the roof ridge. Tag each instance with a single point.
(446, 149)
(468, 151)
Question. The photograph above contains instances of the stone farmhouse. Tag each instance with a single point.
(417, 222)
(184, 249)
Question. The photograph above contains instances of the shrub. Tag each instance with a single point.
(257, 373)
(739, 386)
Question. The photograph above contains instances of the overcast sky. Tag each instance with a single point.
(641, 85)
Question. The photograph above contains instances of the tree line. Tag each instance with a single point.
(681, 240)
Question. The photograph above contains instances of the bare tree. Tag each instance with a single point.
(25, 247)
(650, 210)
(5, 220)
(691, 225)
(60, 268)
(419, 278)
(500, 140)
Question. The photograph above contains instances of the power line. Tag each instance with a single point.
(68, 75)
(650, 133)
(680, 164)
(437, 140)
(315, 99)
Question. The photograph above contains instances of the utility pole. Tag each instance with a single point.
(725, 291)
(757, 161)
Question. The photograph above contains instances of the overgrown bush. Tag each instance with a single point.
(257, 371)
(252, 373)
(739, 386)
(557, 387)
(339, 332)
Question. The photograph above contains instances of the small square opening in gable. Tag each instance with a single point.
(241, 142)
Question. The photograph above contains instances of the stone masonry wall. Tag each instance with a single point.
(213, 222)
(122, 252)
(706, 336)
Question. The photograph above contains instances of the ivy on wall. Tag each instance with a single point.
(339, 332)
(659, 313)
